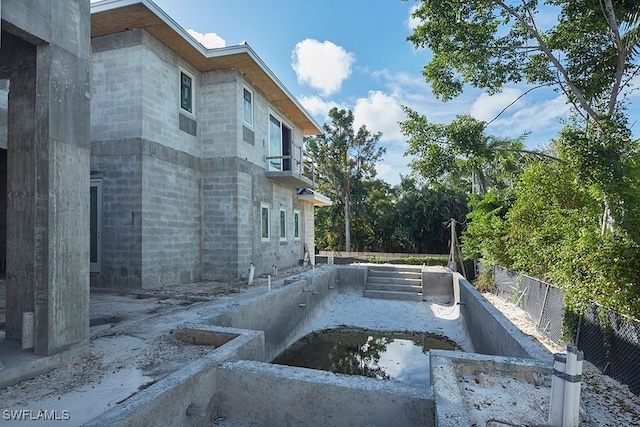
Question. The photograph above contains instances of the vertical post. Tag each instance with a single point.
(251, 273)
(556, 403)
(544, 302)
(573, 381)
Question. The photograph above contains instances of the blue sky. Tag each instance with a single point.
(353, 54)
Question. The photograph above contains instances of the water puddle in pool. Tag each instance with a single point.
(383, 355)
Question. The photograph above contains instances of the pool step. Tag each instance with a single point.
(394, 287)
(394, 282)
(405, 296)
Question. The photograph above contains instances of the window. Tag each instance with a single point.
(186, 91)
(264, 212)
(296, 225)
(283, 224)
(248, 106)
(279, 145)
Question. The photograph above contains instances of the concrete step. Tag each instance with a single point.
(406, 296)
(396, 268)
(395, 281)
(391, 273)
(394, 287)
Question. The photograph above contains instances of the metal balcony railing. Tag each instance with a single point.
(297, 169)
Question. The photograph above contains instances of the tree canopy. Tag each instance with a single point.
(546, 223)
(590, 54)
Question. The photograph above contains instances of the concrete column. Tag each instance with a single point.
(20, 182)
(48, 175)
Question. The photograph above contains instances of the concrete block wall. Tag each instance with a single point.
(196, 212)
(119, 165)
(171, 221)
(161, 98)
(218, 120)
(116, 87)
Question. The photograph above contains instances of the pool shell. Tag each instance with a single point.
(236, 383)
(390, 355)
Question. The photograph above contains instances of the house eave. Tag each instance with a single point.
(315, 198)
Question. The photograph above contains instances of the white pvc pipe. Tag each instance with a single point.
(251, 273)
(28, 329)
(269, 282)
(570, 416)
(556, 404)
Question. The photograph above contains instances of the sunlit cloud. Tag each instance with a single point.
(208, 40)
(380, 112)
(542, 118)
(487, 107)
(412, 23)
(318, 106)
(322, 65)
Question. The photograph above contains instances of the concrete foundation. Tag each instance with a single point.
(233, 385)
(186, 397)
(304, 397)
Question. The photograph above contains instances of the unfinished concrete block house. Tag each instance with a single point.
(197, 165)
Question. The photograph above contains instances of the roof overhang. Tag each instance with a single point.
(115, 16)
(313, 197)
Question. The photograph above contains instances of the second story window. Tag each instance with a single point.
(186, 92)
(247, 106)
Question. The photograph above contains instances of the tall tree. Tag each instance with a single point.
(461, 153)
(590, 54)
(345, 158)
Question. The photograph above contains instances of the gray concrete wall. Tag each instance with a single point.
(186, 206)
(446, 366)
(278, 313)
(171, 218)
(437, 282)
(274, 395)
(490, 331)
(119, 165)
(166, 402)
(4, 104)
(48, 169)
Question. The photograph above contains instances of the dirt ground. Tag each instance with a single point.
(604, 401)
(132, 347)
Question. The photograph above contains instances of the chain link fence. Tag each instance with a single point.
(540, 300)
(609, 340)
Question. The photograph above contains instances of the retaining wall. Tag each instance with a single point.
(167, 402)
(490, 331)
(306, 397)
(285, 310)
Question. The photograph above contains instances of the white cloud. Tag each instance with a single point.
(412, 22)
(393, 164)
(317, 106)
(487, 107)
(208, 40)
(323, 66)
(380, 113)
(542, 118)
